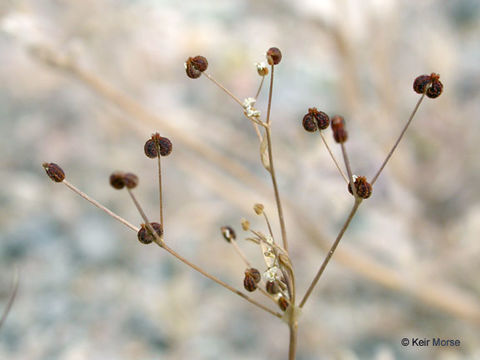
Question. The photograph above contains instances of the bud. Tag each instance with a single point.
(228, 233)
(54, 172)
(245, 225)
(258, 208)
(145, 236)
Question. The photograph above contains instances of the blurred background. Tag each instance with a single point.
(85, 83)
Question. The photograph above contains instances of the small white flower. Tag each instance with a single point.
(270, 274)
(249, 102)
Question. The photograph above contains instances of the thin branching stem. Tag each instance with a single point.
(159, 241)
(100, 206)
(349, 170)
(268, 224)
(160, 186)
(272, 168)
(11, 299)
(412, 115)
(357, 203)
(220, 282)
(259, 88)
(228, 92)
(240, 253)
(333, 157)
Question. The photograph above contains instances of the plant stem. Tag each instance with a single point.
(333, 157)
(159, 241)
(220, 282)
(357, 203)
(272, 168)
(259, 88)
(240, 253)
(349, 170)
(11, 299)
(228, 92)
(412, 115)
(100, 206)
(292, 346)
(160, 187)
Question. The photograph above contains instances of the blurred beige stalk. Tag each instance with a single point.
(441, 296)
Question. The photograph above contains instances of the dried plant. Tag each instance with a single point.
(276, 280)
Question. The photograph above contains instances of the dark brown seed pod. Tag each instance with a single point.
(338, 127)
(321, 118)
(117, 180)
(272, 287)
(54, 172)
(130, 180)
(364, 189)
(228, 233)
(436, 87)
(421, 82)
(249, 282)
(150, 149)
(283, 303)
(309, 123)
(194, 66)
(145, 236)
(255, 274)
(274, 56)
(165, 146)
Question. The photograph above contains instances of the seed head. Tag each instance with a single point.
(421, 83)
(258, 208)
(364, 189)
(228, 233)
(257, 277)
(194, 66)
(436, 87)
(117, 180)
(321, 118)
(165, 146)
(428, 84)
(309, 123)
(54, 172)
(145, 236)
(130, 180)
(249, 282)
(150, 149)
(283, 303)
(338, 126)
(274, 56)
